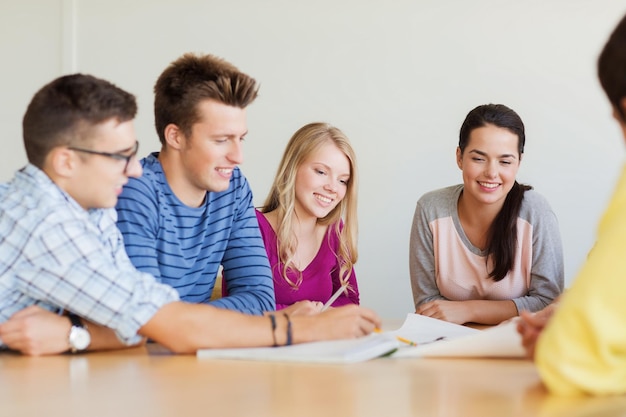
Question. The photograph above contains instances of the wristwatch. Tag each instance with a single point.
(79, 338)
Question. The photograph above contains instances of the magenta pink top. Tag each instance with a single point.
(320, 279)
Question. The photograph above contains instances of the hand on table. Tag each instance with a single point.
(36, 331)
(452, 311)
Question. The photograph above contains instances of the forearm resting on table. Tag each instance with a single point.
(185, 328)
(103, 338)
(469, 311)
(491, 311)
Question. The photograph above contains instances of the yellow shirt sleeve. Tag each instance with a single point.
(583, 348)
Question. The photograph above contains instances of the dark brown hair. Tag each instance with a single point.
(62, 111)
(191, 79)
(612, 67)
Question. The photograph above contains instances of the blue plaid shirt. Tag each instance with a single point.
(57, 255)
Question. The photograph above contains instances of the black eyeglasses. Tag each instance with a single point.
(116, 156)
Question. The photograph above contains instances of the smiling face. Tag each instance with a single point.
(214, 148)
(321, 181)
(489, 163)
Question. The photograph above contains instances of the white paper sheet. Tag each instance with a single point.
(500, 341)
(335, 351)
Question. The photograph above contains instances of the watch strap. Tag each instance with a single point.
(76, 322)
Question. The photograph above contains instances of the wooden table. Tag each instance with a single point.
(144, 382)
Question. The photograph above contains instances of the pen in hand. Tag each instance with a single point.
(334, 297)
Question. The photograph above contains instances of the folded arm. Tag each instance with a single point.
(36, 331)
(470, 311)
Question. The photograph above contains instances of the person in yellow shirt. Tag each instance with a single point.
(582, 348)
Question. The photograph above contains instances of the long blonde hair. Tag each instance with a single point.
(283, 194)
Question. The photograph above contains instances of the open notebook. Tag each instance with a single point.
(335, 351)
(437, 338)
(432, 338)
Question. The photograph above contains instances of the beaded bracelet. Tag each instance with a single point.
(273, 320)
(289, 331)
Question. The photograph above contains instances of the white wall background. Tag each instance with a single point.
(397, 76)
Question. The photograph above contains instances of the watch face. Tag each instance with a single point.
(79, 338)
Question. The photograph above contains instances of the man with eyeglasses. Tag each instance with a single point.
(66, 282)
(121, 156)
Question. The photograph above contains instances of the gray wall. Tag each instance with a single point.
(398, 77)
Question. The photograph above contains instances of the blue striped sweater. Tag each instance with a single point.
(184, 246)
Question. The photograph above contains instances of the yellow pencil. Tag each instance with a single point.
(401, 339)
(407, 341)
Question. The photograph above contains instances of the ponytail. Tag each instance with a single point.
(503, 233)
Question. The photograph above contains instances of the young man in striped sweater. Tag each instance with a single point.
(191, 211)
